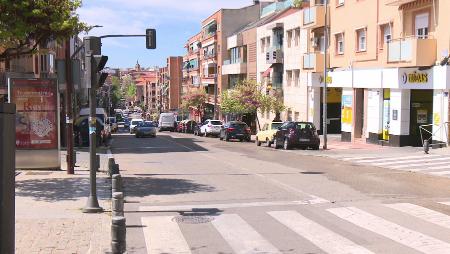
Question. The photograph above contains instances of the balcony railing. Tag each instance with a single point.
(309, 61)
(276, 7)
(413, 50)
(314, 61)
(314, 16)
(309, 15)
(274, 55)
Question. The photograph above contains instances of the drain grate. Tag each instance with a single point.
(312, 173)
(38, 173)
(193, 219)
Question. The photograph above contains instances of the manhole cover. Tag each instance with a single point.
(193, 219)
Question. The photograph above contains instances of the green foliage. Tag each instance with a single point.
(131, 91)
(194, 99)
(297, 3)
(27, 23)
(116, 91)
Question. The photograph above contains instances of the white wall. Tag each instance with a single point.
(400, 101)
(375, 112)
(440, 115)
(314, 107)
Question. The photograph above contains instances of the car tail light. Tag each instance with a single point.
(247, 129)
(230, 129)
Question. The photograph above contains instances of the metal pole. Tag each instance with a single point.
(7, 177)
(325, 86)
(92, 205)
(69, 111)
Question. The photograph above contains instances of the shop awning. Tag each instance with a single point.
(399, 2)
(267, 72)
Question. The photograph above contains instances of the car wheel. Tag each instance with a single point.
(268, 143)
(275, 144)
(286, 145)
(258, 143)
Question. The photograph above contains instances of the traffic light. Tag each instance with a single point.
(150, 38)
(98, 64)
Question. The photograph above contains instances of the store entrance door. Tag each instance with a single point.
(421, 113)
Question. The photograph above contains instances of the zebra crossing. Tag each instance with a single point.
(367, 229)
(434, 164)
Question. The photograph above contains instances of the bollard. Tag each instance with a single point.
(111, 164)
(115, 169)
(426, 146)
(116, 183)
(117, 204)
(118, 235)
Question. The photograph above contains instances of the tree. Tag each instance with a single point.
(297, 3)
(26, 24)
(131, 91)
(116, 92)
(194, 99)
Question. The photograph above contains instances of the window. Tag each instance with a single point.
(361, 39)
(267, 42)
(340, 43)
(339, 2)
(296, 77)
(289, 115)
(263, 45)
(386, 32)
(421, 25)
(288, 78)
(297, 36)
(289, 38)
(296, 116)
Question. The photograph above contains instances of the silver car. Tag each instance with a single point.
(146, 129)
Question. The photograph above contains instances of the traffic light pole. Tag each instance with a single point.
(69, 111)
(92, 205)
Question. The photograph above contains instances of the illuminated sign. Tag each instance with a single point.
(329, 79)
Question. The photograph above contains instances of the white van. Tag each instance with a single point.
(167, 121)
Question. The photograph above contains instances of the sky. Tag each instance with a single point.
(174, 20)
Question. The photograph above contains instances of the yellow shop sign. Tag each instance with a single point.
(415, 77)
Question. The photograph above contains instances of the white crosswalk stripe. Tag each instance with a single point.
(395, 232)
(433, 164)
(423, 213)
(242, 237)
(322, 237)
(164, 235)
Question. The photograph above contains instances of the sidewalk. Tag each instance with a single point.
(49, 216)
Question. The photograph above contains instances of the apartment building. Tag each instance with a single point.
(215, 31)
(281, 43)
(191, 64)
(390, 66)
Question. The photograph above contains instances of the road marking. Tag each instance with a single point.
(241, 237)
(141, 147)
(399, 161)
(445, 203)
(402, 235)
(162, 235)
(395, 158)
(322, 237)
(229, 205)
(357, 158)
(423, 213)
(440, 173)
(441, 167)
(421, 164)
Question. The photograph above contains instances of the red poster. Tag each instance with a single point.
(36, 119)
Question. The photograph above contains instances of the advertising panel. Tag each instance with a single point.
(347, 111)
(36, 118)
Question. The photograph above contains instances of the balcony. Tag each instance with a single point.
(274, 55)
(314, 17)
(313, 62)
(239, 67)
(411, 51)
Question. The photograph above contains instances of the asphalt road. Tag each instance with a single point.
(188, 194)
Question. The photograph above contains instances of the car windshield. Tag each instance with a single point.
(135, 122)
(305, 126)
(239, 125)
(276, 125)
(216, 122)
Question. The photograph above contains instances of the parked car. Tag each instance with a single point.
(134, 123)
(297, 134)
(166, 121)
(145, 129)
(113, 123)
(235, 130)
(189, 126)
(267, 133)
(126, 123)
(211, 127)
(180, 126)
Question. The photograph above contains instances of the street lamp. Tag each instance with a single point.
(325, 87)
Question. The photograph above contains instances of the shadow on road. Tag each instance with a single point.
(60, 189)
(161, 144)
(145, 186)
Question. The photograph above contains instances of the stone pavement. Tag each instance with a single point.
(49, 216)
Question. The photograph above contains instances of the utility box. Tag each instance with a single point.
(7, 176)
